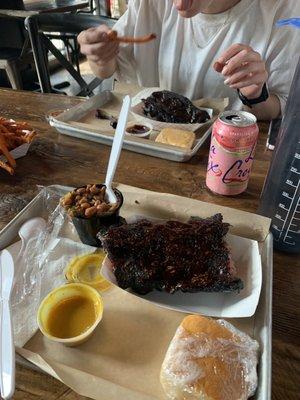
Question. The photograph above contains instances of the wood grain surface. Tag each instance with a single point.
(58, 159)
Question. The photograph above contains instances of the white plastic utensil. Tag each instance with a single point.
(116, 149)
(29, 229)
(7, 351)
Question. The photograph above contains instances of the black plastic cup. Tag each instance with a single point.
(88, 228)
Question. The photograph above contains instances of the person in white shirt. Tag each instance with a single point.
(204, 48)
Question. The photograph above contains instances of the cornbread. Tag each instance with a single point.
(176, 137)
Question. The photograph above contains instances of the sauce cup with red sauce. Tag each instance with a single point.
(141, 130)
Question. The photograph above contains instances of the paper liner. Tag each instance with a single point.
(123, 358)
(18, 152)
(138, 115)
(245, 254)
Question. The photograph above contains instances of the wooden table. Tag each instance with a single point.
(56, 159)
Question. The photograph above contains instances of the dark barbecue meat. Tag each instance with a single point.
(171, 107)
(172, 256)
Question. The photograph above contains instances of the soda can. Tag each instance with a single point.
(232, 148)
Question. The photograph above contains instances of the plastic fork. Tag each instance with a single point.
(116, 149)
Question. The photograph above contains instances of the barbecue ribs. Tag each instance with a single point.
(172, 256)
(171, 107)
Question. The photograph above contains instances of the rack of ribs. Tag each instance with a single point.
(172, 256)
(171, 107)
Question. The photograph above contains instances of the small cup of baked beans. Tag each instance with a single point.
(91, 212)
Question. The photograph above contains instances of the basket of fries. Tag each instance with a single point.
(15, 139)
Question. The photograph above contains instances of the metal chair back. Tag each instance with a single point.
(12, 33)
(38, 25)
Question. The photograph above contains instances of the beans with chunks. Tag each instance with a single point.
(87, 202)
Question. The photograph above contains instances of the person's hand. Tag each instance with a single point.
(243, 69)
(94, 44)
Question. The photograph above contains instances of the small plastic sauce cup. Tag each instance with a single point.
(140, 130)
(86, 269)
(73, 307)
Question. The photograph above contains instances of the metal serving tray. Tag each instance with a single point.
(64, 123)
(261, 322)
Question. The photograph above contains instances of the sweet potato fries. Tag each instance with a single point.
(113, 36)
(12, 135)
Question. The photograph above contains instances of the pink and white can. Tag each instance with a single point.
(232, 148)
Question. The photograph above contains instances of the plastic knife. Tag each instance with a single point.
(7, 349)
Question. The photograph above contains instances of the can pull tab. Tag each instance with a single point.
(235, 119)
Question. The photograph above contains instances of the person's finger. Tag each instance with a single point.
(100, 56)
(98, 49)
(94, 35)
(103, 60)
(256, 79)
(110, 53)
(182, 5)
(252, 91)
(231, 52)
(243, 71)
(241, 59)
(218, 66)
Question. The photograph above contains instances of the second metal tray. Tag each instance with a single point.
(64, 123)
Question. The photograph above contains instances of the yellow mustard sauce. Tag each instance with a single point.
(71, 317)
(86, 269)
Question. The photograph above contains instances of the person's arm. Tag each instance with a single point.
(104, 70)
(105, 57)
(267, 110)
(244, 69)
(101, 53)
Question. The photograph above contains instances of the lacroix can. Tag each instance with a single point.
(232, 148)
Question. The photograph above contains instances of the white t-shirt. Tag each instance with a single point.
(181, 57)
